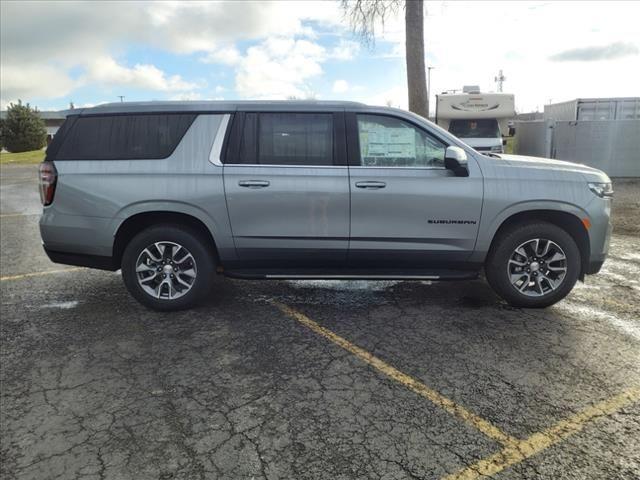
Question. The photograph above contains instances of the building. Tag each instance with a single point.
(600, 132)
(618, 108)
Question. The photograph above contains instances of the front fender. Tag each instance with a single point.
(491, 221)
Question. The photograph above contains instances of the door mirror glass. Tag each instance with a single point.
(455, 159)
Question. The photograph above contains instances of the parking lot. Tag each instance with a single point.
(314, 379)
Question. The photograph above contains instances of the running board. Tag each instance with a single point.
(346, 274)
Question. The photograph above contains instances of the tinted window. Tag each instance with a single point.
(391, 142)
(487, 128)
(58, 138)
(114, 137)
(287, 139)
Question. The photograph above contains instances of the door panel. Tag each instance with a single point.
(287, 189)
(407, 211)
(413, 220)
(300, 217)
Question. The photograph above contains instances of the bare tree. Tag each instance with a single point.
(364, 15)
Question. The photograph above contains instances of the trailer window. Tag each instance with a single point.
(470, 128)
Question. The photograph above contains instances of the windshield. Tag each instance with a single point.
(486, 128)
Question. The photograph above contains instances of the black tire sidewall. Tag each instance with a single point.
(186, 237)
(496, 265)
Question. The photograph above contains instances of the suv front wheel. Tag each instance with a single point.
(168, 267)
(533, 265)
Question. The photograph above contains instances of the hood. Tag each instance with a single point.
(482, 142)
(592, 174)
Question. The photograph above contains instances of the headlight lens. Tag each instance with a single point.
(497, 148)
(603, 190)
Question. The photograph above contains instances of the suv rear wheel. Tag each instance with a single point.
(533, 265)
(168, 267)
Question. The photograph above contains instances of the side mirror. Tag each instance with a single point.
(455, 159)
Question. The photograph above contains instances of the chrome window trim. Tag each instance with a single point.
(369, 167)
(282, 166)
(216, 148)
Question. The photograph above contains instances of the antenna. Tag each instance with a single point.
(500, 80)
(121, 97)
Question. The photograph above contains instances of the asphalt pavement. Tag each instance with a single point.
(313, 379)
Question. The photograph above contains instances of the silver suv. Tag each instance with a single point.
(174, 193)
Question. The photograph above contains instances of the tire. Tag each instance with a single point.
(535, 279)
(186, 273)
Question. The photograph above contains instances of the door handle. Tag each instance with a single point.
(254, 183)
(371, 185)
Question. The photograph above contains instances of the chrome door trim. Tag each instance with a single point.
(354, 277)
(254, 165)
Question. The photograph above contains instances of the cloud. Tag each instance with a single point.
(592, 54)
(63, 41)
(345, 50)
(228, 55)
(20, 81)
(187, 96)
(278, 68)
(106, 71)
(340, 86)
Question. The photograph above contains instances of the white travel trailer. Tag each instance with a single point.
(479, 119)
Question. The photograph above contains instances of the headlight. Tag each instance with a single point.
(603, 190)
(497, 148)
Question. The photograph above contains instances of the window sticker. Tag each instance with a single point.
(383, 142)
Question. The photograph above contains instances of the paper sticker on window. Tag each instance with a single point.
(383, 142)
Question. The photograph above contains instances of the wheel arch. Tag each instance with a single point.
(138, 222)
(569, 222)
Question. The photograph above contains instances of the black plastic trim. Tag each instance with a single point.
(594, 267)
(82, 260)
(350, 273)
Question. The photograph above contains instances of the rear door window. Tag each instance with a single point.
(287, 139)
(124, 137)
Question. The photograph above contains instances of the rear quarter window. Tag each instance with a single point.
(123, 137)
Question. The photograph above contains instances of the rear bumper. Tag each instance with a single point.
(82, 260)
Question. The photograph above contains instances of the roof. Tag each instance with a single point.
(217, 106)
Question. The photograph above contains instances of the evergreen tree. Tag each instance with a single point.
(23, 130)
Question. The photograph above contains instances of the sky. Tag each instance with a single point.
(88, 53)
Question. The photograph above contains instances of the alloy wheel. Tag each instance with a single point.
(537, 267)
(166, 270)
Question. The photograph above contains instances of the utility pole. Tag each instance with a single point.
(500, 80)
(121, 97)
(429, 89)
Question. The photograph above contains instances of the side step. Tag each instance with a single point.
(352, 274)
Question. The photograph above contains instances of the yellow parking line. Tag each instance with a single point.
(536, 443)
(38, 274)
(411, 383)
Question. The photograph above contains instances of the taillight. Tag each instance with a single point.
(48, 178)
